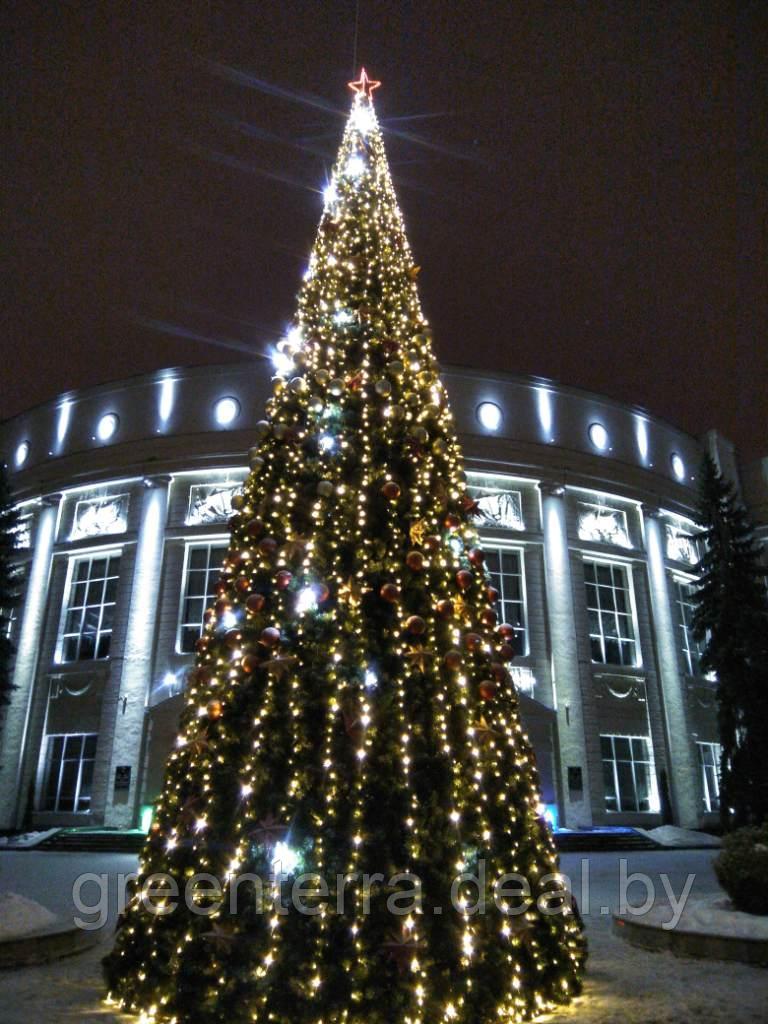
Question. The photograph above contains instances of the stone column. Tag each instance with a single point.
(681, 760)
(135, 672)
(16, 721)
(573, 763)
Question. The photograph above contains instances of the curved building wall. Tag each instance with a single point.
(585, 511)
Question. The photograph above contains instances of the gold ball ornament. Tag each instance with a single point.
(214, 709)
(383, 388)
(325, 488)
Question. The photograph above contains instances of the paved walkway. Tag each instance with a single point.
(624, 985)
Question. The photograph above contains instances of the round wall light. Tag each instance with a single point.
(21, 454)
(489, 415)
(678, 466)
(106, 427)
(598, 435)
(226, 411)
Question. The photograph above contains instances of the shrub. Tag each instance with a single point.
(742, 868)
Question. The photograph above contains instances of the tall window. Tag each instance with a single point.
(609, 608)
(691, 649)
(506, 569)
(8, 621)
(202, 572)
(69, 772)
(628, 775)
(709, 763)
(90, 608)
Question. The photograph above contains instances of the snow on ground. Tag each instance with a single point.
(26, 840)
(623, 985)
(20, 916)
(671, 836)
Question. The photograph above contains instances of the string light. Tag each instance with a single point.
(338, 709)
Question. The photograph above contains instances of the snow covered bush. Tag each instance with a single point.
(742, 868)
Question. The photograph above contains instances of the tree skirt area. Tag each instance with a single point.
(20, 916)
(622, 984)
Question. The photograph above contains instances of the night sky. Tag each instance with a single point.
(583, 184)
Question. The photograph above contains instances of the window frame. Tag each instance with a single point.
(73, 560)
(626, 568)
(654, 803)
(81, 761)
(519, 550)
(716, 751)
(219, 540)
(687, 646)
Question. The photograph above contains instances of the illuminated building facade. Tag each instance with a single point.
(586, 514)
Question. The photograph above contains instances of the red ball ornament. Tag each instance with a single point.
(283, 579)
(242, 584)
(444, 609)
(391, 490)
(221, 607)
(255, 528)
(506, 631)
(464, 579)
(390, 592)
(270, 637)
(268, 545)
(415, 561)
(233, 637)
(322, 593)
(452, 660)
(452, 521)
(214, 709)
(416, 625)
(254, 603)
(488, 617)
(492, 594)
(249, 664)
(498, 670)
(432, 542)
(472, 641)
(476, 556)
(506, 652)
(487, 689)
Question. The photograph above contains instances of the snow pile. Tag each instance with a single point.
(20, 916)
(672, 836)
(27, 840)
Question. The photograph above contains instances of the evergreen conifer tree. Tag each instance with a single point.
(731, 619)
(351, 713)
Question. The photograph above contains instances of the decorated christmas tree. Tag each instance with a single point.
(348, 831)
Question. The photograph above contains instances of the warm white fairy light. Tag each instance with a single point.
(338, 398)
